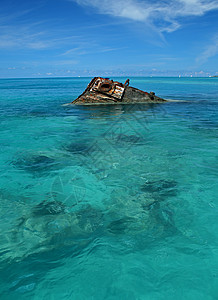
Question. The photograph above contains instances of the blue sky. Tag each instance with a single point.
(47, 38)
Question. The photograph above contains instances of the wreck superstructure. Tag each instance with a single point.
(106, 91)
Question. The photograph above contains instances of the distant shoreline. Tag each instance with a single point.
(116, 76)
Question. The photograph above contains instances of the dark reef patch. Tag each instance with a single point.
(129, 139)
(161, 188)
(77, 148)
(90, 218)
(48, 208)
(120, 226)
(35, 163)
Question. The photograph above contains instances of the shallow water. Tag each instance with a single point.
(113, 202)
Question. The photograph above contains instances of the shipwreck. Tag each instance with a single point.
(106, 91)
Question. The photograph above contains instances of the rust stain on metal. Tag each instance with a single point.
(108, 87)
(105, 91)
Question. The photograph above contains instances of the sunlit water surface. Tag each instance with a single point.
(111, 202)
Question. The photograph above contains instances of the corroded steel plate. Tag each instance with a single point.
(108, 87)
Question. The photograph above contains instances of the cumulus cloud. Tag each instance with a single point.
(164, 15)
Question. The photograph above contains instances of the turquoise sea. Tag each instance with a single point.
(108, 202)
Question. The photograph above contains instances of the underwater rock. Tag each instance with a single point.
(49, 226)
(106, 91)
(137, 214)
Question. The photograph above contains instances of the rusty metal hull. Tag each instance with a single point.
(106, 91)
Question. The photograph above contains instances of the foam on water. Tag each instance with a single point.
(113, 202)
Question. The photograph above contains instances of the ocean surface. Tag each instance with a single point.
(108, 202)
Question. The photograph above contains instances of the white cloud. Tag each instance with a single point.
(76, 50)
(164, 15)
(30, 36)
(26, 36)
(88, 48)
(210, 51)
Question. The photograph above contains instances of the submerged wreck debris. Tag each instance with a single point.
(105, 91)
